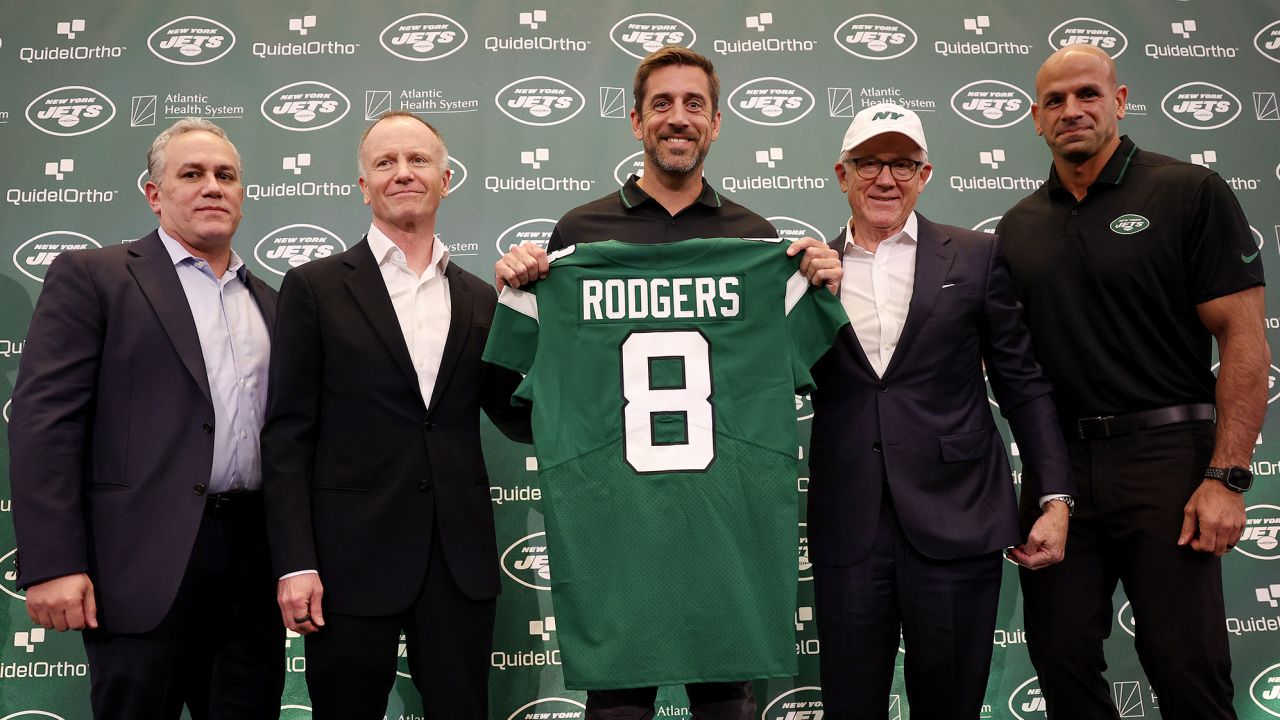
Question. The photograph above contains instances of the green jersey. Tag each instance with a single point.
(662, 379)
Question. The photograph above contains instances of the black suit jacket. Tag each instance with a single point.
(357, 473)
(928, 422)
(112, 434)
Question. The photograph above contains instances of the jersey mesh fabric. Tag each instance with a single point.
(663, 577)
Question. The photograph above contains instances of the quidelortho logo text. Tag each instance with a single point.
(423, 37)
(301, 44)
(542, 182)
(293, 245)
(875, 37)
(33, 257)
(191, 40)
(70, 110)
(774, 159)
(305, 106)
(70, 30)
(991, 103)
(1089, 31)
(771, 101)
(760, 40)
(1201, 106)
(61, 170)
(638, 35)
(1184, 43)
(533, 20)
(540, 100)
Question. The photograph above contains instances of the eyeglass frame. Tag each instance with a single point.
(880, 166)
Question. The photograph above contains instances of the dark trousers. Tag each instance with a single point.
(220, 649)
(351, 663)
(707, 701)
(945, 611)
(1132, 489)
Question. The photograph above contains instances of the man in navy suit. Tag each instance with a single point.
(911, 501)
(135, 461)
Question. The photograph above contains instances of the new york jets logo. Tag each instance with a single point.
(1129, 224)
(632, 164)
(550, 707)
(802, 703)
(1089, 31)
(33, 257)
(1201, 106)
(991, 103)
(540, 100)
(536, 231)
(423, 37)
(639, 35)
(305, 106)
(771, 101)
(1265, 690)
(191, 40)
(875, 37)
(294, 245)
(1026, 702)
(9, 575)
(70, 110)
(1267, 41)
(525, 561)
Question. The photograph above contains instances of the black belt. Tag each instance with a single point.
(231, 504)
(1108, 425)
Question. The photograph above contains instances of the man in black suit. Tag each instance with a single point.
(378, 502)
(135, 461)
(911, 502)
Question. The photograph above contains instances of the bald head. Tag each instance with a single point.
(1076, 55)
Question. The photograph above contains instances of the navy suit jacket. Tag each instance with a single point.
(925, 430)
(358, 473)
(112, 434)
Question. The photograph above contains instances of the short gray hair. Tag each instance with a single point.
(395, 114)
(155, 154)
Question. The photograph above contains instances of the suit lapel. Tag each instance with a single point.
(460, 301)
(152, 268)
(933, 260)
(369, 290)
(847, 336)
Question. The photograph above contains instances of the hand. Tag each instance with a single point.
(1213, 518)
(820, 264)
(520, 266)
(299, 600)
(1047, 542)
(64, 603)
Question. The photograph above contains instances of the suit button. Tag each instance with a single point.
(208, 428)
(877, 447)
(423, 487)
(199, 488)
(883, 388)
(429, 425)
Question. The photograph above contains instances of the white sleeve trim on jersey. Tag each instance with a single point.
(525, 303)
(797, 286)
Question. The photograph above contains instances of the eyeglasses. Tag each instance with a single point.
(869, 168)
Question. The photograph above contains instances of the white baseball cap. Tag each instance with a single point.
(880, 119)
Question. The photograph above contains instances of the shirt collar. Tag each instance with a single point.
(178, 253)
(907, 235)
(1113, 173)
(384, 250)
(631, 194)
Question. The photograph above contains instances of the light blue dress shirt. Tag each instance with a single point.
(236, 345)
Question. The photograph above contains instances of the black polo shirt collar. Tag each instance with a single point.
(1113, 173)
(632, 196)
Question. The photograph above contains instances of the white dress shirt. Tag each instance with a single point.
(876, 291)
(235, 344)
(422, 305)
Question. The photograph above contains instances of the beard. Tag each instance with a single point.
(675, 165)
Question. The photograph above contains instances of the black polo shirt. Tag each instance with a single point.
(630, 215)
(1111, 283)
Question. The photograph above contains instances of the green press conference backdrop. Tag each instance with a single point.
(532, 98)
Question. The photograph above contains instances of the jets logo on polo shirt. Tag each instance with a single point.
(1129, 224)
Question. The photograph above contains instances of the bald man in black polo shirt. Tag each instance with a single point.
(1129, 265)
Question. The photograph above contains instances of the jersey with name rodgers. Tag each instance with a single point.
(662, 379)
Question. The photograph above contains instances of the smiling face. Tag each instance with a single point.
(197, 193)
(675, 121)
(881, 205)
(1078, 103)
(403, 173)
